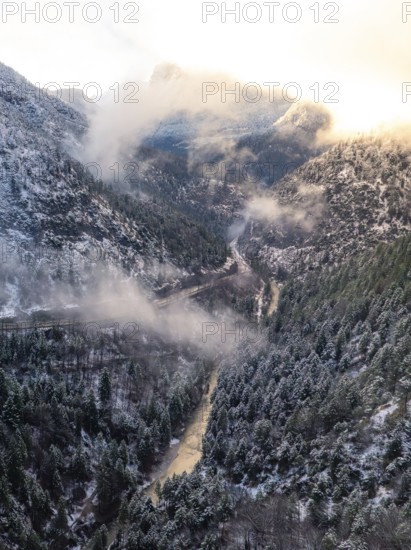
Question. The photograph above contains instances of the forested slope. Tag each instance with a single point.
(316, 418)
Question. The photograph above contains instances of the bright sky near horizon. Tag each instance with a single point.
(365, 51)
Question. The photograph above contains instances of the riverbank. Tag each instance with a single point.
(183, 456)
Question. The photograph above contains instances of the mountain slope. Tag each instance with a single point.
(323, 411)
(67, 226)
(309, 440)
(350, 198)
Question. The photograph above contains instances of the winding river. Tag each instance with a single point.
(183, 455)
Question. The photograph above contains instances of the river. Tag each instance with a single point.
(184, 455)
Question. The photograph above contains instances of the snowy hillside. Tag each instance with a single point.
(59, 231)
(347, 200)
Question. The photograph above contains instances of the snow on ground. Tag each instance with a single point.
(379, 417)
(382, 494)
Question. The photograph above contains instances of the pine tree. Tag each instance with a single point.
(123, 453)
(97, 542)
(33, 542)
(123, 512)
(39, 504)
(107, 482)
(12, 412)
(165, 428)
(4, 392)
(90, 413)
(78, 466)
(59, 527)
(104, 386)
(5, 496)
(15, 461)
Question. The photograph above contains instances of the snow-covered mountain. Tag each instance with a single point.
(305, 118)
(312, 416)
(59, 229)
(347, 200)
(183, 131)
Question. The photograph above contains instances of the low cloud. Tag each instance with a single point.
(304, 211)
